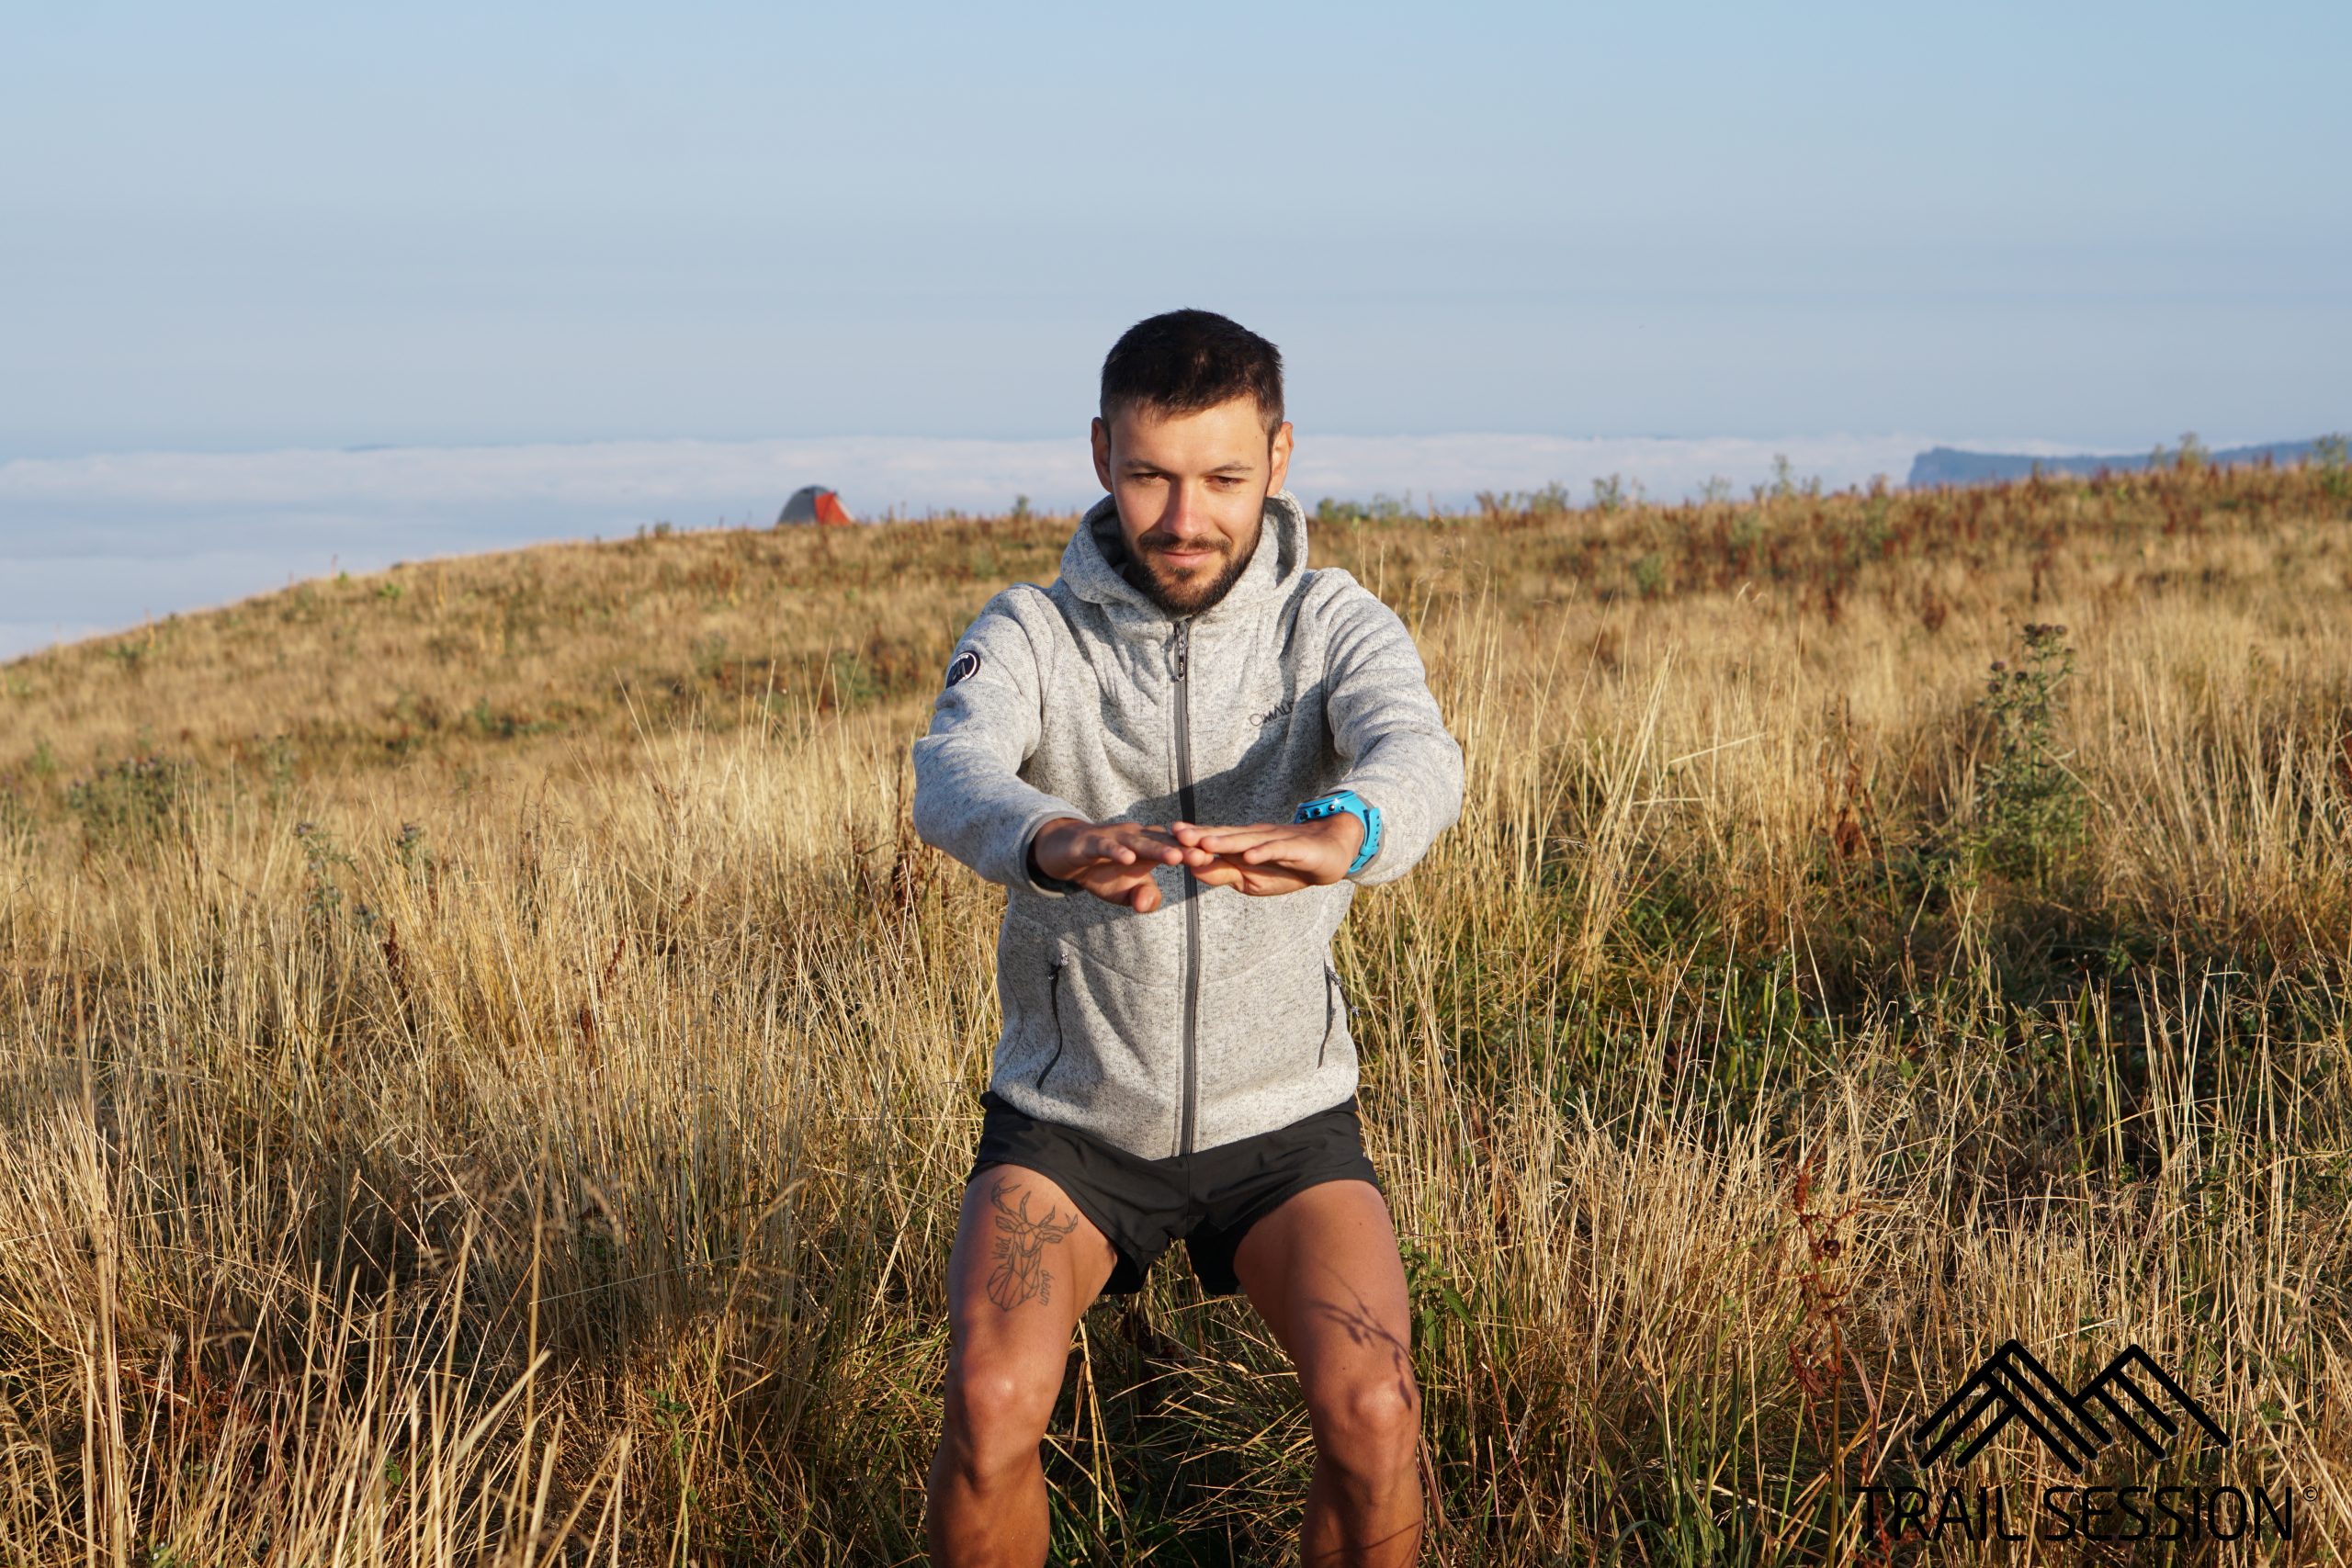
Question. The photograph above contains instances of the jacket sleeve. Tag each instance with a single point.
(971, 799)
(1386, 727)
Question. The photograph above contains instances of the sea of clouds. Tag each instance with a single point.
(98, 544)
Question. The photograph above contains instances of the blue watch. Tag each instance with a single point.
(1355, 806)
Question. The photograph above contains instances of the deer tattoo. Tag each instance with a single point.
(1019, 1251)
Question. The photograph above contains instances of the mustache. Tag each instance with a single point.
(1163, 542)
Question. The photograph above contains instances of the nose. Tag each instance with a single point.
(1185, 521)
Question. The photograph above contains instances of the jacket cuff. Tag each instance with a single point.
(1035, 880)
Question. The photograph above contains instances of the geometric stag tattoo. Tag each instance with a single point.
(1020, 1252)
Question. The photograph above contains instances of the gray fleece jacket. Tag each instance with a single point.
(1218, 1015)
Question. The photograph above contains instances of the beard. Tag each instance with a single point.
(1199, 590)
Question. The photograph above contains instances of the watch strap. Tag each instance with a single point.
(1355, 806)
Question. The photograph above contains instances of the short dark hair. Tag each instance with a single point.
(1184, 361)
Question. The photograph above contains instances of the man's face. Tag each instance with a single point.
(1191, 490)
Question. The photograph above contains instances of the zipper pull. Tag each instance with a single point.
(1183, 646)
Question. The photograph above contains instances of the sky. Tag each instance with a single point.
(243, 229)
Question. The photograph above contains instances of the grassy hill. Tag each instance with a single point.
(486, 1069)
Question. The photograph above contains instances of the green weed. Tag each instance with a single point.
(2029, 807)
(138, 800)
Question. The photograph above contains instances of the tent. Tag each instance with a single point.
(814, 504)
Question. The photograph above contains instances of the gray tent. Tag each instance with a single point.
(814, 504)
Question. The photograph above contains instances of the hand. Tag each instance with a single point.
(1113, 860)
(1274, 857)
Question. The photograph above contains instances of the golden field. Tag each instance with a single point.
(486, 1069)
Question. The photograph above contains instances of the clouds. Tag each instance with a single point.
(108, 540)
(1455, 467)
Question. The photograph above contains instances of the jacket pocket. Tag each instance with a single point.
(1054, 1003)
(1331, 1008)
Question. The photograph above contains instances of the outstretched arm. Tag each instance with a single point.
(1386, 725)
(1400, 759)
(971, 799)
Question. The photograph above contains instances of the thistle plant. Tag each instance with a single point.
(2029, 807)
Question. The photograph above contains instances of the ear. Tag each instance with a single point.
(1278, 468)
(1099, 435)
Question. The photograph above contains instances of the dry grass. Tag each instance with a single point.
(486, 1070)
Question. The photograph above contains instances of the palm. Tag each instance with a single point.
(1115, 862)
(1257, 881)
(1109, 879)
(1264, 858)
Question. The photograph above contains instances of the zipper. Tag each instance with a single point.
(1192, 885)
(1330, 1011)
(1054, 999)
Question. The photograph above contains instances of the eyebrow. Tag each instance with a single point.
(1238, 467)
(1221, 471)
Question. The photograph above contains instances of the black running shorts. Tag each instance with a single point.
(1210, 1198)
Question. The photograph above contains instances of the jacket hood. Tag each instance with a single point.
(1096, 552)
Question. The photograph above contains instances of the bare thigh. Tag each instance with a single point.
(1323, 1271)
(1025, 1265)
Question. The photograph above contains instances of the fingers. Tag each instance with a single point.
(1221, 874)
(1231, 840)
(1139, 891)
(1284, 845)
(1256, 882)
(1129, 842)
(1143, 897)
(1132, 885)
(1125, 845)
(1257, 859)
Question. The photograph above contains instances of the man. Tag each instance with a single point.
(1182, 759)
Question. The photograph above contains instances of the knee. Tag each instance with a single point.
(995, 1421)
(1371, 1428)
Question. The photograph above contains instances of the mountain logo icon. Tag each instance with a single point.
(2133, 1395)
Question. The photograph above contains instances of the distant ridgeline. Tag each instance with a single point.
(1949, 466)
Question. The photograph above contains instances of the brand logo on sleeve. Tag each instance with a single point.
(965, 664)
